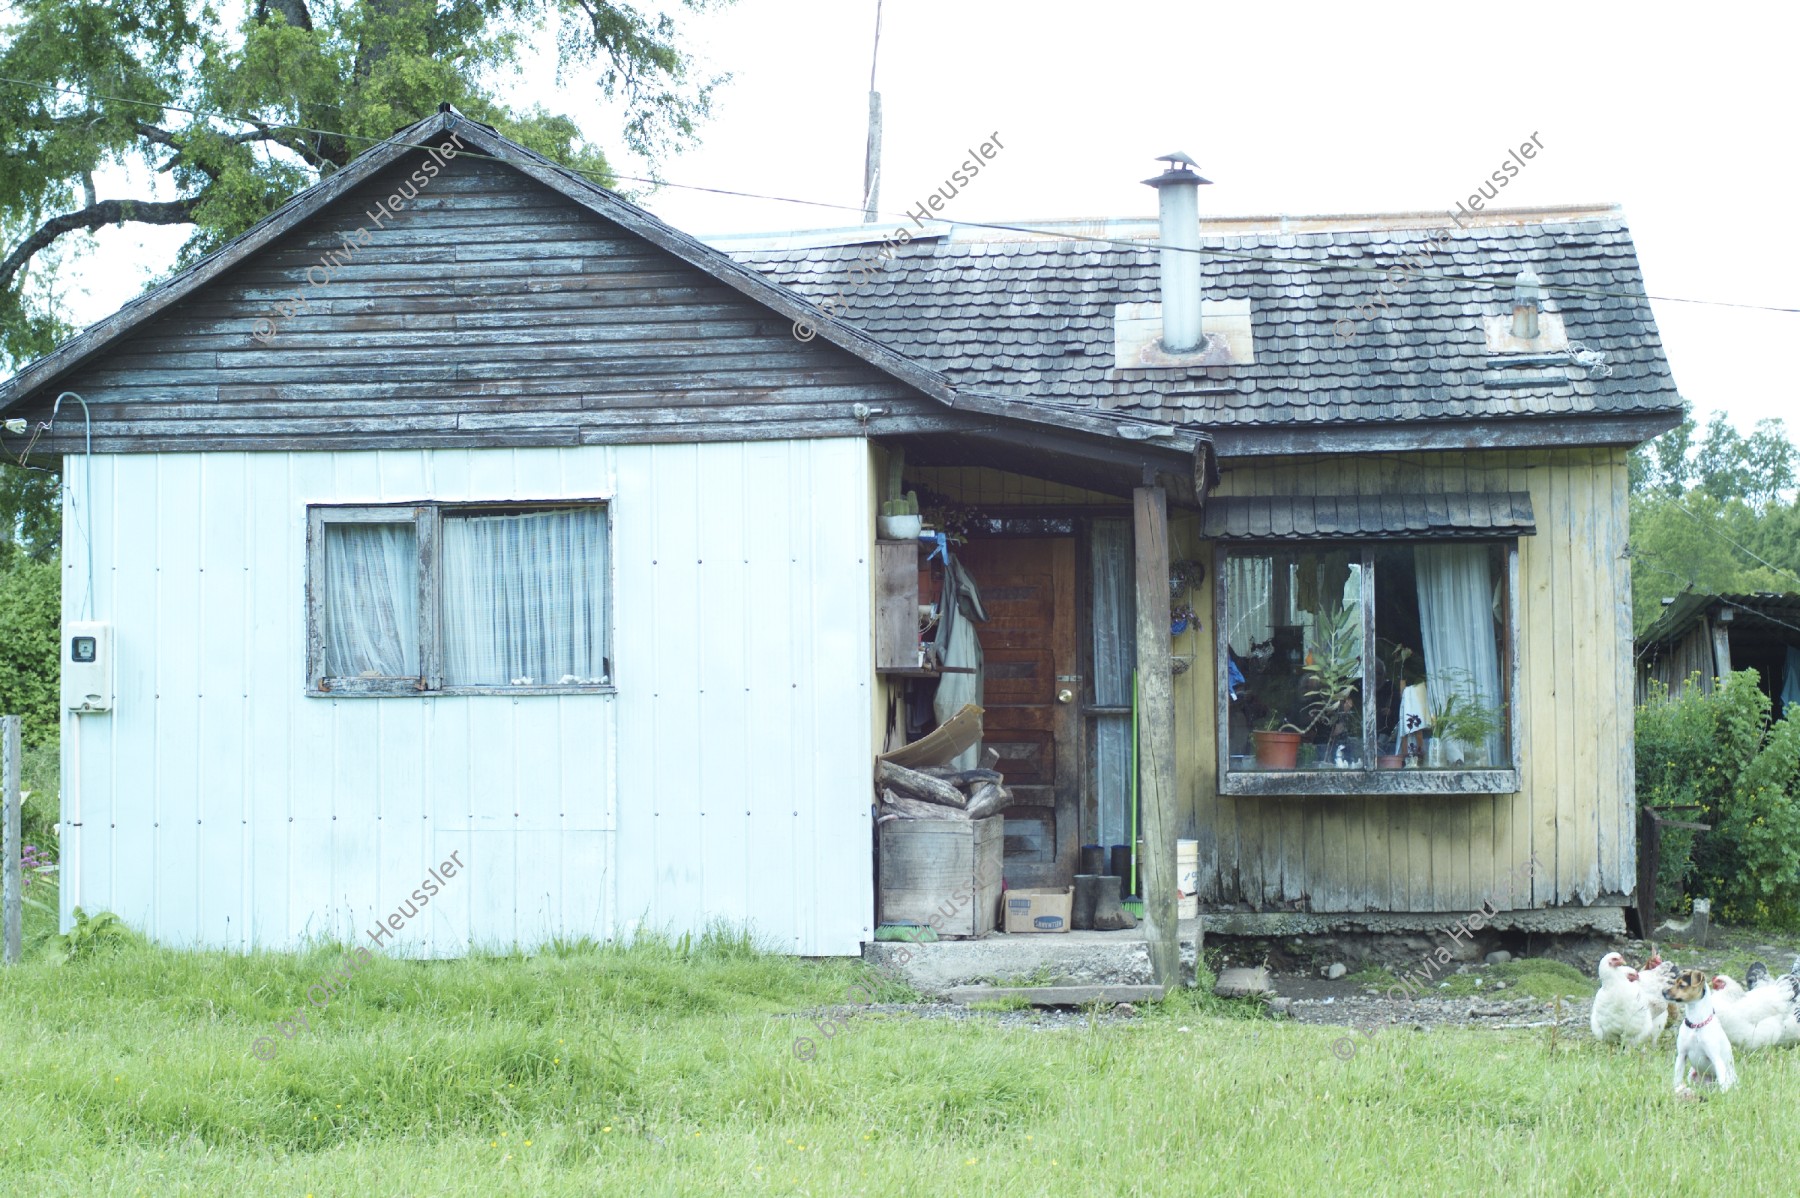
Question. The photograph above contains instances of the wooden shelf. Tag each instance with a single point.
(921, 672)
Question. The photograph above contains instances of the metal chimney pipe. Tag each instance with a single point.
(1178, 204)
(1528, 297)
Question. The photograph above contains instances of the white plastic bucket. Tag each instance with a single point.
(1187, 879)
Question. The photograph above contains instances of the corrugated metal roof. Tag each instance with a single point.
(1764, 610)
(1455, 514)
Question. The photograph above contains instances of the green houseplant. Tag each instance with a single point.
(1334, 676)
(1463, 718)
(1277, 743)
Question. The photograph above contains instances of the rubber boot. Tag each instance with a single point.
(1087, 893)
(1109, 916)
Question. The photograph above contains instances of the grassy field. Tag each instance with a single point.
(669, 1069)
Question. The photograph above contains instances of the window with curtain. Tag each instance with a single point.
(1383, 667)
(446, 599)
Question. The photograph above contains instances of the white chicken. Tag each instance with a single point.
(1623, 1012)
(1656, 976)
(1754, 1019)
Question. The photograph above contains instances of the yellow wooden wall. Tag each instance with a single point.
(1435, 853)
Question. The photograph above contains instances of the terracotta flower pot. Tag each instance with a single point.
(1276, 750)
(1389, 761)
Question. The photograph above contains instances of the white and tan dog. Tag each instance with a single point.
(1702, 1049)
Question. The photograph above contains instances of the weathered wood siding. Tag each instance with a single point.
(1436, 853)
(489, 311)
(727, 777)
(983, 486)
(1673, 665)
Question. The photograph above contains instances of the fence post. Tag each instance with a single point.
(13, 887)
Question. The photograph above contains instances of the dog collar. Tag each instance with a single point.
(1697, 1026)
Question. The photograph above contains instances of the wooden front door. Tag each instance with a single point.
(1032, 698)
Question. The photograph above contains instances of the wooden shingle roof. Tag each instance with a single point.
(1035, 318)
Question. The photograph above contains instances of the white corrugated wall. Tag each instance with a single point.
(726, 780)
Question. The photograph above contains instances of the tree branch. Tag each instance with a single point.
(95, 216)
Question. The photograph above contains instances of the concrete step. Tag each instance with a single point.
(1025, 962)
(1055, 996)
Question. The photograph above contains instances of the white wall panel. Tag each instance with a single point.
(726, 780)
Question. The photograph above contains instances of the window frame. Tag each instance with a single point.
(427, 518)
(1365, 780)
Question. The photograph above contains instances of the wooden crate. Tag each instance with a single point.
(945, 873)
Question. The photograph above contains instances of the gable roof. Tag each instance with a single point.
(1120, 439)
(1035, 317)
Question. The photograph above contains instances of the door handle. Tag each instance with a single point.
(1065, 695)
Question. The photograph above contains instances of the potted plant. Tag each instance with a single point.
(1468, 722)
(1277, 743)
(1335, 675)
(900, 519)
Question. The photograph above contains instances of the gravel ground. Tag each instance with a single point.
(1344, 1002)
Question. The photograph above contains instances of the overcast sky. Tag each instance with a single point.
(1681, 115)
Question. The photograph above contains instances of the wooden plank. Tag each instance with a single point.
(1563, 566)
(896, 604)
(1517, 842)
(1593, 555)
(1156, 716)
(1624, 800)
(1372, 888)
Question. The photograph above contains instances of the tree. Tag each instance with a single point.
(236, 118)
(1713, 514)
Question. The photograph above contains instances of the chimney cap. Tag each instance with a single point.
(1178, 171)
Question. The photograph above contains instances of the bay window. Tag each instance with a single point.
(1380, 667)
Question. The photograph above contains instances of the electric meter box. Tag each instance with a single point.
(87, 666)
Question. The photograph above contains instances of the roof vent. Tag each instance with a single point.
(1528, 297)
(1177, 194)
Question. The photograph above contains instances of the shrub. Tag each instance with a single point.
(30, 658)
(1721, 753)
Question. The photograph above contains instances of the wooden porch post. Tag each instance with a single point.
(1721, 643)
(1156, 715)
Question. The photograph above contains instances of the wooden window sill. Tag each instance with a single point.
(453, 692)
(1369, 782)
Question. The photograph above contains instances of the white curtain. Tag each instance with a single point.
(524, 598)
(1457, 604)
(1248, 582)
(371, 601)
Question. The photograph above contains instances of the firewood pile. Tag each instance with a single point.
(939, 792)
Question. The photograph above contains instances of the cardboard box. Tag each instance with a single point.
(1039, 908)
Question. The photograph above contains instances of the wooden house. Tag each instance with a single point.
(462, 506)
(1421, 428)
(1704, 637)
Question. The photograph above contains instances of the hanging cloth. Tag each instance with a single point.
(959, 646)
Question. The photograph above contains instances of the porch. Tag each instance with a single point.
(1103, 960)
(1065, 537)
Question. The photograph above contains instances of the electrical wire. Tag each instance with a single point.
(1727, 539)
(607, 179)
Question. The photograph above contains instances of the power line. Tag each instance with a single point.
(1723, 536)
(607, 179)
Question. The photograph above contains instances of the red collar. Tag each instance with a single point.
(1701, 1024)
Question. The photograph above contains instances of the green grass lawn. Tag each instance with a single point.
(669, 1069)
